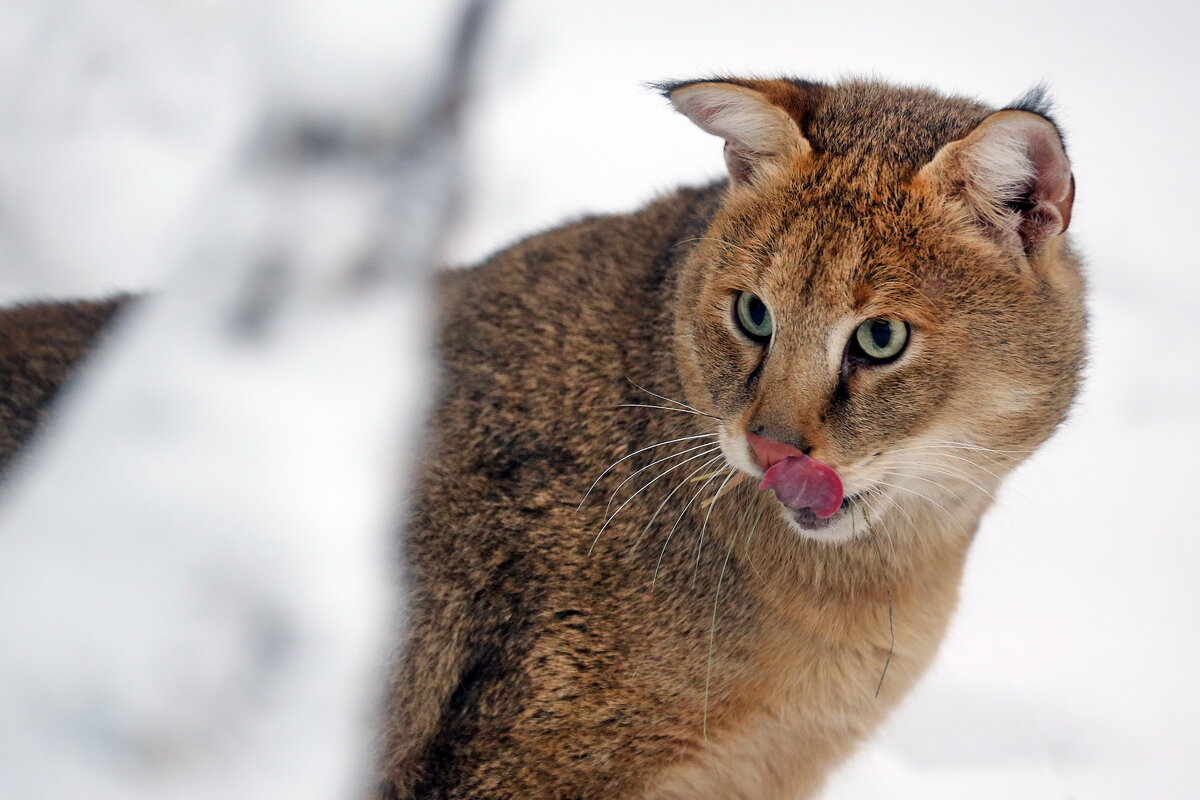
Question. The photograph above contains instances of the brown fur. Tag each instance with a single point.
(728, 655)
(39, 346)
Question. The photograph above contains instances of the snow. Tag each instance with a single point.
(198, 562)
(1067, 672)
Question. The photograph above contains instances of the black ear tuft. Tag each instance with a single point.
(1037, 100)
(666, 87)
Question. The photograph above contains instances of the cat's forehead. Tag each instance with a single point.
(890, 125)
(848, 274)
(821, 271)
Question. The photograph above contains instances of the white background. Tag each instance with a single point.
(1070, 669)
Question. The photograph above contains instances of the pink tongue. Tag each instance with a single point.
(801, 482)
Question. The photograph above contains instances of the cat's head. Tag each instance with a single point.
(884, 313)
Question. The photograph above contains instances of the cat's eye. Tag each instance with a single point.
(880, 340)
(753, 316)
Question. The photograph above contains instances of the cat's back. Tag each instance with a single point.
(541, 295)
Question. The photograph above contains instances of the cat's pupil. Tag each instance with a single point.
(758, 312)
(881, 333)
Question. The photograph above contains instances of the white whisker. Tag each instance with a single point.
(926, 499)
(634, 453)
(968, 446)
(643, 488)
(665, 408)
(704, 527)
(679, 519)
(912, 523)
(613, 496)
(947, 472)
(940, 455)
(668, 399)
(666, 499)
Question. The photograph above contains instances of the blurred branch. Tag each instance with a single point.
(196, 583)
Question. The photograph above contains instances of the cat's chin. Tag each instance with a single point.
(834, 528)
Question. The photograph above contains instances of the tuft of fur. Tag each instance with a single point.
(1035, 100)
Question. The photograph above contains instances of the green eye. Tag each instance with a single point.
(754, 316)
(880, 339)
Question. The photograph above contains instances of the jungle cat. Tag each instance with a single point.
(701, 478)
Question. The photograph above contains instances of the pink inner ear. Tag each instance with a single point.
(702, 113)
(1017, 177)
(1051, 187)
(694, 107)
(1055, 185)
(704, 109)
(754, 129)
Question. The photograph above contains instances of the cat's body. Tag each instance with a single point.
(553, 655)
(669, 644)
(575, 672)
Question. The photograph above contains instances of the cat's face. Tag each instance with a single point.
(856, 332)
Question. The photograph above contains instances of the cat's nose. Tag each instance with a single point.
(768, 451)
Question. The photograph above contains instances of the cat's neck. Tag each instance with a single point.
(856, 622)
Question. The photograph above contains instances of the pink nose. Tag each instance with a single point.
(769, 452)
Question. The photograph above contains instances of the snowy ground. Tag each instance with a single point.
(1069, 670)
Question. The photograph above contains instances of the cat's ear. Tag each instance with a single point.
(759, 133)
(1013, 174)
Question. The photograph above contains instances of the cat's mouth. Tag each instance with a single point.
(811, 492)
(807, 519)
(804, 484)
